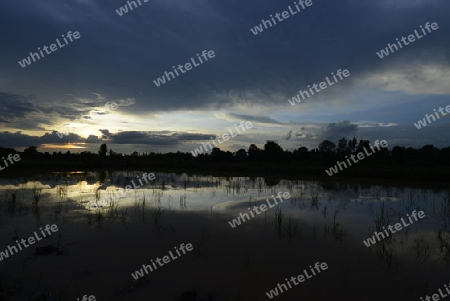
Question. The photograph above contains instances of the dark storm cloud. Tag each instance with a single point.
(335, 131)
(18, 139)
(121, 56)
(155, 138)
(192, 137)
(30, 123)
(159, 138)
(54, 138)
(288, 135)
(93, 139)
(28, 113)
(24, 112)
(16, 106)
(106, 134)
(260, 119)
(332, 131)
(134, 137)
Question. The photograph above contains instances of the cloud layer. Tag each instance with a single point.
(251, 77)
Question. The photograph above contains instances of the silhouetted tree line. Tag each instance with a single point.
(270, 156)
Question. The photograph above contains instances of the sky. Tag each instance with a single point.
(250, 78)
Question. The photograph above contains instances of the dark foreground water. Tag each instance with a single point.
(106, 234)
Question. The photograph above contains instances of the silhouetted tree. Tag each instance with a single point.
(32, 150)
(364, 144)
(428, 153)
(303, 150)
(272, 151)
(217, 154)
(398, 153)
(4, 151)
(103, 150)
(445, 155)
(300, 153)
(227, 156)
(253, 152)
(241, 155)
(352, 144)
(342, 145)
(327, 146)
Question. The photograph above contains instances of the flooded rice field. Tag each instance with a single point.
(142, 236)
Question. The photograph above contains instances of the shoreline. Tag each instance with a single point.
(426, 176)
